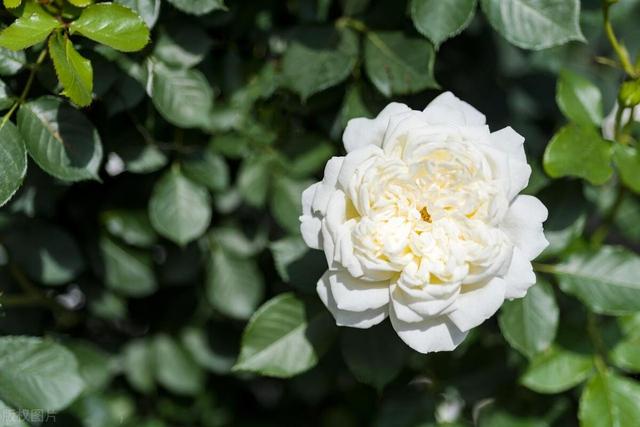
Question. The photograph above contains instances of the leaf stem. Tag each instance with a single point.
(27, 88)
(621, 52)
(545, 268)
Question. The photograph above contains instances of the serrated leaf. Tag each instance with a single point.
(74, 71)
(37, 374)
(627, 161)
(610, 400)
(605, 280)
(440, 20)
(60, 139)
(398, 64)
(13, 161)
(374, 356)
(581, 152)
(579, 99)
(535, 24)
(318, 58)
(180, 209)
(198, 7)
(126, 270)
(285, 338)
(113, 25)
(183, 97)
(235, 285)
(556, 370)
(32, 27)
(530, 324)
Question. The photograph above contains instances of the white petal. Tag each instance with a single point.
(353, 160)
(475, 306)
(519, 277)
(361, 131)
(309, 224)
(362, 319)
(513, 173)
(328, 185)
(523, 225)
(448, 109)
(307, 198)
(353, 294)
(511, 142)
(429, 335)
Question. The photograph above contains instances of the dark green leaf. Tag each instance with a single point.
(94, 365)
(175, 369)
(397, 64)
(133, 227)
(138, 365)
(149, 10)
(286, 203)
(60, 139)
(126, 270)
(196, 343)
(579, 99)
(579, 151)
(207, 168)
(113, 25)
(73, 70)
(11, 61)
(535, 24)
(180, 209)
(285, 338)
(253, 180)
(13, 161)
(198, 7)
(182, 44)
(439, 20)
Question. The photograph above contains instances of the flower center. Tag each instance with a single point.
(424, 214)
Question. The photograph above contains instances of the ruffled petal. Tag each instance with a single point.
(519, 276)
(310, 225)
(327, 186)
(523, 225)
(354, 319)
(511, 142)
(475, 306)
(449, 109)
(513, 174)
(429, 335)
(353, 160)
(353, 294)
(362, 131)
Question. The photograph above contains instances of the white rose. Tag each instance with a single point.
(421, 221)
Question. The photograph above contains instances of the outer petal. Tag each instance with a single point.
(511, 142)
(475, 306)
(519, 277)
(523, 225)
(354, 319)
(310, 225)
(353, 294)
(328, 185)
(361, 131)
(513, 173)
(353, 160)
(429, 335)
(448, 109)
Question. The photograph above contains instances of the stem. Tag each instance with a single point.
(544, 268)
(27, 88)
(621, 52)
(347, 22)
(617, 126)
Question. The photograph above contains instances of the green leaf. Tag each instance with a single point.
(530, 324)
(440, 20)
(48, 254)
(126, 270)
(180, 209)
(215, 360)
(374, 356)
(142, 158)
(149, 10)
(234, 240)
(10, 418)
(138, 365)
(182, 44)
(605, 280)
(286, 202)
(183, 97)
(296, 264)
(556, 370)
(578, 151)
(133, 227)
(37, 374)
(11, 4)
(73, 70)
(253, 180)
(626, 354)
(627, 161)
(610, 400)
(285, 338)
(198, 7)
(32, 27)
(535, 24)
(60, 139)
(13, 161)
(175, 369)
(397, 64)
(318, 58)
(496, 417)
(235, 285)
(113, 25)
(11, 61)
(94, 365)
(579, 99)
(629, 95)
(207, 168)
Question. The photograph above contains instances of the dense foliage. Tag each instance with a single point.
(152, 156)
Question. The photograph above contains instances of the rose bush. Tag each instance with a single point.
(421, 221)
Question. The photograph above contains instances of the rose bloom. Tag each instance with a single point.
(421, 221)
